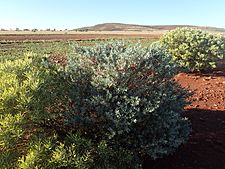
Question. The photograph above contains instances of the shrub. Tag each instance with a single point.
(105, 107)
(123, 95)
(28, 139)
(74, 152)
(194, 49)
(18, 81)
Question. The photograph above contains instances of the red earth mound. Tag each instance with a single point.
(206, 146)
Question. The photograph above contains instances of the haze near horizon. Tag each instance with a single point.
(71, 14)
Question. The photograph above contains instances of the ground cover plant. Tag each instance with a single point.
(106, 106)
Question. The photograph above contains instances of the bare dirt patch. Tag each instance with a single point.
(206, 146)
(208, 89)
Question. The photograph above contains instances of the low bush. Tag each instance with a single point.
(106, 106)
(19, 79)
(194, 49)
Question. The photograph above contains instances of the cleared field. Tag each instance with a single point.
(74, 35)
(87, 32)
(79, 36)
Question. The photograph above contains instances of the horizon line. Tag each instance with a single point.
(21, 28)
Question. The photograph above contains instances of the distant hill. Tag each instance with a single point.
(133, 27)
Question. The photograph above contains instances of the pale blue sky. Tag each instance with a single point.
(61, 14)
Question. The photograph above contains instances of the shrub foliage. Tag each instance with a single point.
(106, 106)
(194, 49)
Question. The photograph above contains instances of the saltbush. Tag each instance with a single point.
(106, 106)
(123, 95)
(194, 49)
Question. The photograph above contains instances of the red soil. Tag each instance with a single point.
(22, 37)
(206, 146)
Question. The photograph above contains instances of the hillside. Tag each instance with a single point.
(133, 27)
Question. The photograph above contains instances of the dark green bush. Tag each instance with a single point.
(194, 49)
(105, 107)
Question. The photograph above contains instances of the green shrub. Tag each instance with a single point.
(18, 81)
(194, 49)
(28, 138)
(105, 107)
(123, 95)
(74, 152)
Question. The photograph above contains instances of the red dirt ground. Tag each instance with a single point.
(206, 146)
(52, 37)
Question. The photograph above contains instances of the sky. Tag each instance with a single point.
(70, 14)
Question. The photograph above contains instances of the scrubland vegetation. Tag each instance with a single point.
(107, 105)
